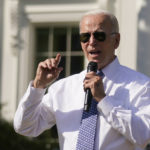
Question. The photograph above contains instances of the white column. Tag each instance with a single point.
(126, 13)
(9, 59)
(1, 39)
(143, 39)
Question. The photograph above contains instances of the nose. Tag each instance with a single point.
(92, 40)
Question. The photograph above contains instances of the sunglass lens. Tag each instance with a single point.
(100, 36)
(84, 37)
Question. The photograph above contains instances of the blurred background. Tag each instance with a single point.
(33, 30)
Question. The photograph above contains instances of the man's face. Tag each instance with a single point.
(101, 52)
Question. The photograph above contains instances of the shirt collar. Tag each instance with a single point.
(111, 69)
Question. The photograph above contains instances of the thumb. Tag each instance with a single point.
(58, 71)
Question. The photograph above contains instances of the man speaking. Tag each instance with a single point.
(118, 114)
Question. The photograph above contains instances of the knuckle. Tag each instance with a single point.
(53, 61)
(40, 63)
(98, 79)
(48, 60)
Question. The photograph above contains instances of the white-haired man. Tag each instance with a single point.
(122, 95)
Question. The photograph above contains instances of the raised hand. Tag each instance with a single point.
(47, 72)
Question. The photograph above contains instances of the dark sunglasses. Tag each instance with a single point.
(100, 36)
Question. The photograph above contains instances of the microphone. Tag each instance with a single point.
(92, 66)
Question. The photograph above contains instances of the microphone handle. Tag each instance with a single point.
(87, 102)
(92, 66)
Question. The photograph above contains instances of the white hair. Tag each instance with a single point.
(115, 24)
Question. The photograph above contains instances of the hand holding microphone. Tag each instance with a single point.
(93, 86)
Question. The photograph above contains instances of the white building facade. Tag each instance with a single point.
(32, 30)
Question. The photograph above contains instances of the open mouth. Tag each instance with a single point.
(95, 52)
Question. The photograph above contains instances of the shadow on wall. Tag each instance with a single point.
(58, 1)
(143, 41)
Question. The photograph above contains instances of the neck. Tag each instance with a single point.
(103, 66)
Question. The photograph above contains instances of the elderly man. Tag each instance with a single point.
(121, 96)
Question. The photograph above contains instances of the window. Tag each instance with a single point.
(60, 39)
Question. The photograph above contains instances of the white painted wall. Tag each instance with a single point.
(143, 38)
(1, 39)
(127, 16)
(9, 66)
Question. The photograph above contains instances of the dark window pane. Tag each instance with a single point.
(75, 42)
(42, 39)
(76, 64)
(60, 39)
(62, 64)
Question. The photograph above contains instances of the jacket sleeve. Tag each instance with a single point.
(34, 113)
(133, 121)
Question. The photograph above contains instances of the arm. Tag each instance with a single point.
(35, 112)
(33, 115)
(132, 122)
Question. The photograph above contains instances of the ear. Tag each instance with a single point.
(117, 40)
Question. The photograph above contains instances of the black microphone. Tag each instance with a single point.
(92, 66)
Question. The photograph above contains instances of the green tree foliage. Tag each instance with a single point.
(10, 140)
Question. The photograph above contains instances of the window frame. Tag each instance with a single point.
(68, 53)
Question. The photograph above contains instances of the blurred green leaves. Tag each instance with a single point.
(10, 140)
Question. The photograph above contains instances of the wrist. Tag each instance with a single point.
(98, 99)
(38, 84)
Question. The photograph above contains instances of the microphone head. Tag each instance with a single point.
(92, 66)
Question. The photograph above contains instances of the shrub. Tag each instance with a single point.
(9, 140)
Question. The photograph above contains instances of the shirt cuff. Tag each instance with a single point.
(39, 90)
(33, 95)
(105, 105)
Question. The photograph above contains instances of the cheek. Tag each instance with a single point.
(83, 45)
(84, 48)
(108, 48)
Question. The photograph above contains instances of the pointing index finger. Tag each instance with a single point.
(57, 59)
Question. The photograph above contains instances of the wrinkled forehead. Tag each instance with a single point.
(98, 22)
